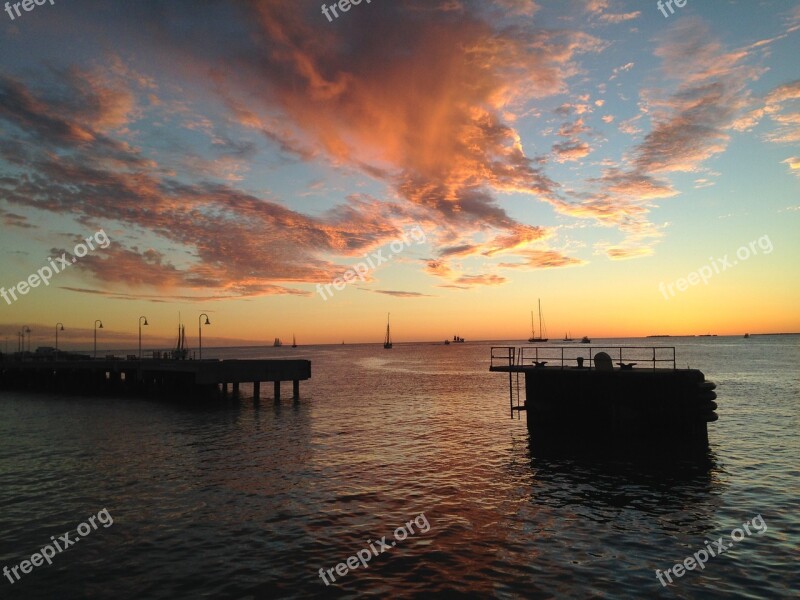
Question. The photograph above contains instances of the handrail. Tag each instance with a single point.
(508, 354)
(526, 356)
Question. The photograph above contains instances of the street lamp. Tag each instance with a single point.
(26, 329)
(140, 335)
(200, 331)
(95, 335)
(59, 324)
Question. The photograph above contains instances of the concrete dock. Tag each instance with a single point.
(570, 396)
(162, 377)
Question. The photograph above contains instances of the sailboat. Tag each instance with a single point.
(533, 338)
(181, 351)
(567, 338)
(387, 343)
(294, 341)
(277, 343)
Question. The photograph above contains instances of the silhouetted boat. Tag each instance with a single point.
(294, 341)
(277, 343)
(533, 338)
(458, 340)
(585, 340)
(746, 335)
(181, 351)
(387, 343)
(567, 338)
(447, 342)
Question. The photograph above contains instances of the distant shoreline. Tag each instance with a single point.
(597, 342)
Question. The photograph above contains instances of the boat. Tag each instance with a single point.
(585, 340)
(277, 343)
(746, 336)
(294, 341)
(458, 340)
(533, 339)
(387, 343)
(567, 338)
(181, 351)
(447, 342)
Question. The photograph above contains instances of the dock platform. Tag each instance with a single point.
(608, 394)
(190, 378)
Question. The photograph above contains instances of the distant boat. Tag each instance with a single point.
(277, 343)
(447, 342)
(585, 340)
(181, 351)
(533, 338)
(387, 343)
(567, 338)
(294, 341)
(746, 335)
(458, 340)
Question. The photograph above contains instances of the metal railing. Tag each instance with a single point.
(582, 356)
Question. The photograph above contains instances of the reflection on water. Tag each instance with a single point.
(245, 499)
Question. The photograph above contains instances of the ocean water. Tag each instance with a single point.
(251, 500)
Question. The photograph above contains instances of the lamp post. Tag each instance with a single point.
(59, 324)
(26, 329)
(140, 335)
(200, 331)
(95, 334)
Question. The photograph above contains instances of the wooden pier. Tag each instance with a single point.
(179, 378)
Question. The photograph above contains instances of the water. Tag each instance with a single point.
(244, 501)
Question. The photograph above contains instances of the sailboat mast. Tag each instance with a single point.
(540, 318)
(533, 330)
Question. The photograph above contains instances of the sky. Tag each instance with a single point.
(450, 162)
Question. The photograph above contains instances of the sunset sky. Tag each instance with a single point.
(240, 154)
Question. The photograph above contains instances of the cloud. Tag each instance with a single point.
(400, 294)
(15, 220)
(622, 69)
(482, 279)
(794, 164)
(542, 259)
(222, 230)
(572, 150)
(690, 123)
(598, 9)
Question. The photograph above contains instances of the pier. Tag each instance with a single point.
(201, 379)
(610, 394)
